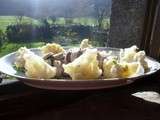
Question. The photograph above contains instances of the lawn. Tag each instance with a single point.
(83, 21)
(11, 47)
(8, 20)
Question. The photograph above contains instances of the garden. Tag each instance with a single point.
(17, 31)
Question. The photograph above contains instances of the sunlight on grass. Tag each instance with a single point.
(9, 20)
(11, 47)
(8, 47)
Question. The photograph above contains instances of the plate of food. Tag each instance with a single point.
(81, 68)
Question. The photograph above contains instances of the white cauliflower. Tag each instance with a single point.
(20, 61)
(113, 69)
(85, 44)
(140, 56)
(34, 65)
(127, 54)
(130, 55)
(107, 65)
(134, 69)
(84, 67)
(52, 48)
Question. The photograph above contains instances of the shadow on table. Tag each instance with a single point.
(118, 103)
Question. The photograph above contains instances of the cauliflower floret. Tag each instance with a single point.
(134, 69)
(85, 44)
(118, 71)
(130, 55)
(107, 65)
(36, 67)
(104, 53)
(53, 48)
(127, 54)
(140, 56)
(84, 67)
(20, 61)
(113, 69)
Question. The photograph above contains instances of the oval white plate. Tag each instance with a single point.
(6, 66)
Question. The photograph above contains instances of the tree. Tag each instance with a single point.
(19, 18)
(53, 19)
(102, 9)
(2, 38)
(46, 29)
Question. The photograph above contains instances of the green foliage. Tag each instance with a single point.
(2, 38)
(11, 20)
(19, 69)
(26, 33)
(69, 21)
(19, 19)
(67, 32)
(11, 47)
(45, 29)
(20, 33)
(53, 19)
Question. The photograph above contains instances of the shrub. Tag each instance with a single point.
(45, 29)
(69, 21)
(26, 33)
(19, 33)
(2, 38)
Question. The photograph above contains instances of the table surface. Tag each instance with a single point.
(137, 101)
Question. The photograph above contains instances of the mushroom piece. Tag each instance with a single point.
(66, 57)
(57, 60)
(72, 54)
(51, 57)
(101, 56)
(60, 70)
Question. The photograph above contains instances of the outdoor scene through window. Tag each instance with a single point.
(32, 23)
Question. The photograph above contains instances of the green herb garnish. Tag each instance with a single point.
(114, 62)
(19, 69)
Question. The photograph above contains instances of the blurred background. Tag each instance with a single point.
(33, 23)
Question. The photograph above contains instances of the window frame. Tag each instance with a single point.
(151, 36)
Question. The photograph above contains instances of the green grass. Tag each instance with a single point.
(9, 20)
(11, 47)
(81, 21)
(91, 22)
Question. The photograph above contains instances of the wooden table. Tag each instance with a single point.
(18, 101)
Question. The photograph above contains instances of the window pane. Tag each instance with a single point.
(33, 23)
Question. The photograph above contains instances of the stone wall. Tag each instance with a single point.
(127, 21)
